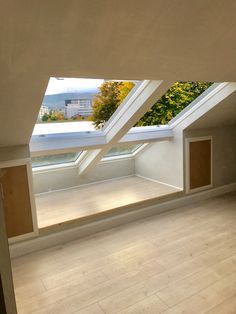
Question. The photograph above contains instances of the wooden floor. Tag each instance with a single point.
(96, 199)
(181, 261)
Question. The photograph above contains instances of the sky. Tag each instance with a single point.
(72, 85)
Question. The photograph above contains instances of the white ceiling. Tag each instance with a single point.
(132, 39)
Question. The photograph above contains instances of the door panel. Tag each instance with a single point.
(7, 295)
(200, 163)
(16, 200)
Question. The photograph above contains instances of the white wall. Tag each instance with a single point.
(224, 152)
(163, 161)
(68, 177)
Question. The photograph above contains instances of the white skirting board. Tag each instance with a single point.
(59, 237)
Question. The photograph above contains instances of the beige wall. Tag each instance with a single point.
(14, 153)
(224, 152)
(66, 178)
(158, 49)
(163, 161)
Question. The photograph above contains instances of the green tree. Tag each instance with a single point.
(45, 117)
(176, 98)
(57, 116)
(53, 116)
(106, 102)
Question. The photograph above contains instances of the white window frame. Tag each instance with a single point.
(126, 156)
(102, 140)
(72, 165)
(115, 131)
(66, 165)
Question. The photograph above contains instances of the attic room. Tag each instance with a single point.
(125, 216)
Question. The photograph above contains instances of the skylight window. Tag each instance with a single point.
(53, 160)
(116, 106)
(67, 100)
(72, 157)
(122, 150)
(176, 98)
(88, 103)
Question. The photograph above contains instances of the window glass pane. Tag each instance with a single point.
(69, 99)
(122, 150)
(176, 98)
(50, 160)
(84, 103)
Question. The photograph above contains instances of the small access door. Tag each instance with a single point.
(16, 200)
(7, 295)
(198, 164)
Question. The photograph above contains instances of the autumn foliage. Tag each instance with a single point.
(111, 95)
(176, 98)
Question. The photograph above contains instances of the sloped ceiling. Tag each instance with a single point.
(222, 114)
(133, 39)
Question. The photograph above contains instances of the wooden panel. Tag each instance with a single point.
(200, 163)
(183, 259)
(16, 201)
(2, 301)
(5, 270)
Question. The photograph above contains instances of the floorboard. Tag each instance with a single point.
(179, 262)
(96, 199)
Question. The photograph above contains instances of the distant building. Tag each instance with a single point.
(75, 107)
(43, 110)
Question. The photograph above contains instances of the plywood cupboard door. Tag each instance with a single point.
(16, 200)
(200, 163)
(7, 295)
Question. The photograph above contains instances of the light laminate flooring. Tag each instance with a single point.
(181, 261)
(63, 206)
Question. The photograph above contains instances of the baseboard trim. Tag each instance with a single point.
(156, 181)
(77, 187)
(57, 238)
